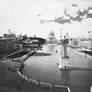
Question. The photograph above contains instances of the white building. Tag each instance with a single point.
(51, 38)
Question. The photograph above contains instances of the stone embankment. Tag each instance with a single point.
(26, 56)
(43, 84)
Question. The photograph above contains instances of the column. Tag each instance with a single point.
(64, 59)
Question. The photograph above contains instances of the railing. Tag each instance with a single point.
(39, 83)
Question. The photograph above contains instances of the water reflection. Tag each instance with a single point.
(65, 77)
(51, 48)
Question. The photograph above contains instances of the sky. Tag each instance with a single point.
(23, 17)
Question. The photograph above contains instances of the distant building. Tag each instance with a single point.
(90, 39)
(74, 42)
(8, 43)
(34, 42)
(9, 35)
(85, 43)
(51, 38)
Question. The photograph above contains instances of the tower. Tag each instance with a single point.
(64, 58)
(61, 36)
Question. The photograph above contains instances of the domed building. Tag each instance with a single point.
(51, 38)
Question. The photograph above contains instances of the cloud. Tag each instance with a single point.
(21, 16)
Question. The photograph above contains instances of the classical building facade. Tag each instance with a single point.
(51, 38)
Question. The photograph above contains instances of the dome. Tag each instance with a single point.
(51, 37)
(51, 33)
